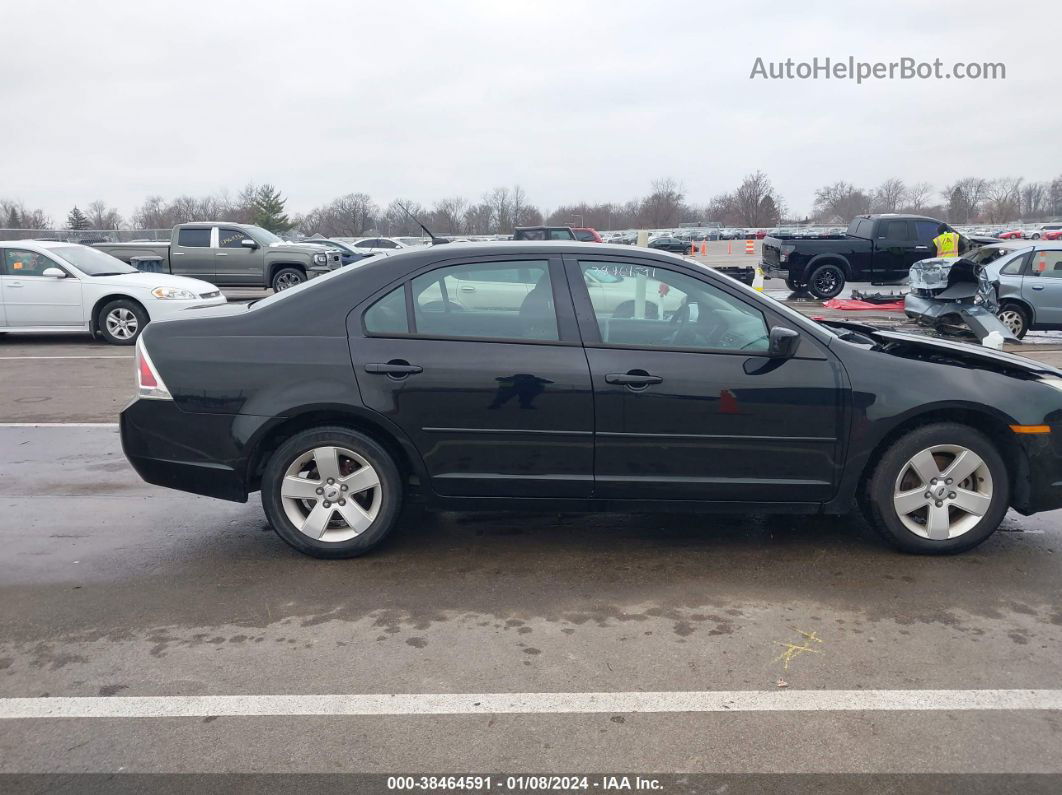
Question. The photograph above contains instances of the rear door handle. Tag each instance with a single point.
(19, 284)
(632, 379)
(393, 368)
(221, 254)
(1035, 286)
(467, 288)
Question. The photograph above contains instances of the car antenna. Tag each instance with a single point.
(435, 241)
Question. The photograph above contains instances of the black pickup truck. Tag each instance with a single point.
(876, 248)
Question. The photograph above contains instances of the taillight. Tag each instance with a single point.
(149, 384)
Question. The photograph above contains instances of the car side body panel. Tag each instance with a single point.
(241, 376)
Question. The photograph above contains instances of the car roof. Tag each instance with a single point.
(27, 241)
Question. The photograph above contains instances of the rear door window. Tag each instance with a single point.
(894, 230)
(388, 314)
(1047, 264)
(193, 238)
(495, 301)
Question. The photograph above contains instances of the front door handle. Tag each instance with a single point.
(633, 379)
(467, 288)
(14, 284)
(221, 254)
(398, 369)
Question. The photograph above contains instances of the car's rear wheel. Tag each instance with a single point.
(121, 322)
(940, 489)
(331, 492)
(826, 281)
(287, 277)
(1015, 318)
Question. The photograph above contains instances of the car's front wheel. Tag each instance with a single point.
(826, 281)
(121, 321)
(287, 277)
(940, 489)
(1015, 318)
(331, 492)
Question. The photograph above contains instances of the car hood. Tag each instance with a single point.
(916, 346)
(298, 248)
(149, 281)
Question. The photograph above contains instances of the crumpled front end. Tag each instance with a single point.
(948, 291)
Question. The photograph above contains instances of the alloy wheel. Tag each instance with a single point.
(122, 323)
(1013, 320)
(331, 494)
(286, 280)
(826, 282)
(942, 492)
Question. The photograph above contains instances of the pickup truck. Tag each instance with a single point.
(876, 248)
(232, 255)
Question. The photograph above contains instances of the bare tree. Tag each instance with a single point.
(889, 196)
(663, 206)
(755, 202)
(840, 202)
(100, 216)
(1033, 199)
(1003, 199)
(964, 198)
(447, 216)
(917, 198)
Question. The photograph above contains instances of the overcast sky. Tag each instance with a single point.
(572, 100)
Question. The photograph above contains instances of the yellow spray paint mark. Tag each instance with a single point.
(794, 650)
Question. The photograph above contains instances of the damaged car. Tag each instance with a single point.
(1011, 287)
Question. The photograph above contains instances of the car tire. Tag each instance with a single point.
(795, 286)
(940, 524)
(1015, 317)
(316, 522)
(286, 278)
(120, 322)
(1036, 236)
(826, 281)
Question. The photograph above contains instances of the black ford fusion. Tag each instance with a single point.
(569, 376)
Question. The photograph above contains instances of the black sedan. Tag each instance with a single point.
(548, 376)
(668, 243)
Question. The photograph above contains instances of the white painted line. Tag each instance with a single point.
(33, 358)
(529, 703)
(58, 424)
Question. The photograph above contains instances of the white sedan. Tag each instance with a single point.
(55, 286)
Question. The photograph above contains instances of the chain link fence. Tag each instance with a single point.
(87, 236)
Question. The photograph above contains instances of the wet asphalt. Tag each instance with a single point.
(111, 587)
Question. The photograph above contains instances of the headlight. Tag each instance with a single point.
(320, 259)
(173, 294)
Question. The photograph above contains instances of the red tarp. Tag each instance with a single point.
(848, 303)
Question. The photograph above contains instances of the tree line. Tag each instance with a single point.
(967, 200)
(753, 203)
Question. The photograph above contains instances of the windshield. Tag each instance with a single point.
(92, 261)
(263, 236)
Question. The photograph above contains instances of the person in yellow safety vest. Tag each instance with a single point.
(947, 242)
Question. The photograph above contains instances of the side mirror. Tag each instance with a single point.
(248, 243)
(783, 343)
(55, 273)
